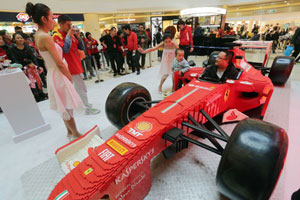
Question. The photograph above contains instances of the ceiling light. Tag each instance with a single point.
(202, 11)
(285, 1)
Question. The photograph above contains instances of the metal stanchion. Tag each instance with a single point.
(125, 61)
(84, 67)
(103, 61)
(150, 59)
(96, 71)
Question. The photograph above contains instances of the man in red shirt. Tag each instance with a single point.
(69, 44)
(186, 38)
(92, 47)
(132, 48)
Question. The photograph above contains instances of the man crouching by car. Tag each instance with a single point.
(223, 69)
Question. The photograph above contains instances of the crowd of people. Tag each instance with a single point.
(281, 35)
(20, 50)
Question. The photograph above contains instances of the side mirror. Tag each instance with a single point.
(192, 63)
(205, 63)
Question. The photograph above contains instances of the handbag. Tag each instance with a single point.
(288, 50)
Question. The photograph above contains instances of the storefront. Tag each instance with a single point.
(284, 14)
(209, 18)
(150, 20)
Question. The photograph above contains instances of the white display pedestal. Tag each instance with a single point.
(19, 106)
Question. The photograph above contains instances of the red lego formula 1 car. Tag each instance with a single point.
(251, 161)
(279, 72)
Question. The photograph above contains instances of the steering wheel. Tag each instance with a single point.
(210, 79)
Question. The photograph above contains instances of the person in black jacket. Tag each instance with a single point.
(296, 43)
(20, 52)
(275, 37)
(112, 43)
(223, 69)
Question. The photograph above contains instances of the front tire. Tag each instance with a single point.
(252, 160)
(121, 107)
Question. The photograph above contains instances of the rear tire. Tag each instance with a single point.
(281, 69)
(120, 105)
(252, 160)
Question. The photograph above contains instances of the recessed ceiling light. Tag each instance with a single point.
(285, 1)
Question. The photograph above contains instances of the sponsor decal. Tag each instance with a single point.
(117, 147)
(201, 87)
(105, 155)
(134, 166)
(131, 186)
(226, 95)
(62, 195)
(233, 115)
(143, 126)
(246, 83)
(76, 163)
(179, 100)
(262, 100)
(88, 171)
(134, 132)
(245, 66)
(230, 81)
(267, 90)
(193, 74)
(68, 166)
(125, 140)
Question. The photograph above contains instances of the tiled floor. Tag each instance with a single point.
(18, 158)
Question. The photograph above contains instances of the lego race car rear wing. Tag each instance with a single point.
(257, 45)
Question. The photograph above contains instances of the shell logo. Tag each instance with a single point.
(23, 17)
(144, 126)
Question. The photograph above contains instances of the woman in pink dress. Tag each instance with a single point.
(62, 95)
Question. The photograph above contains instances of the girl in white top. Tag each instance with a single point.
(169, 47)
(62, 96)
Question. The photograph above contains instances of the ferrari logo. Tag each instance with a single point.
(88, 171)
(226, 95)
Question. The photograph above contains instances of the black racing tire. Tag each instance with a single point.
(120, 105)
(212, 57)
(252, 160)
(281, 69)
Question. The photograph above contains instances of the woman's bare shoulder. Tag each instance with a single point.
(42, 39)
(41, 36)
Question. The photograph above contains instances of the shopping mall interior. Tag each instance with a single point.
(109, 100)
